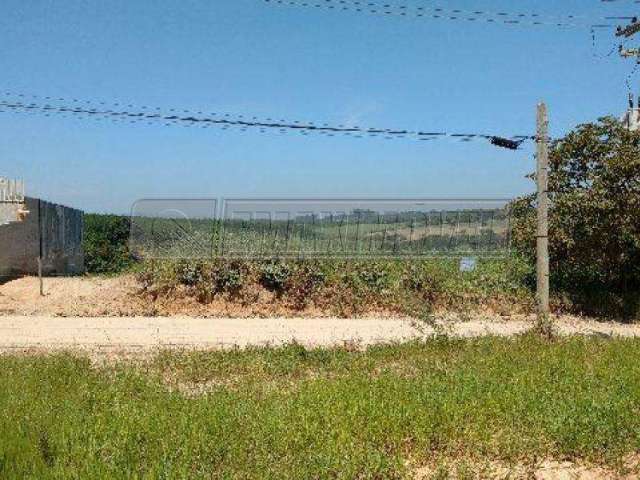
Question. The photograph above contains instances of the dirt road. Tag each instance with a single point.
(151, 333)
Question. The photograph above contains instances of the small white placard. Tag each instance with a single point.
(468, 264)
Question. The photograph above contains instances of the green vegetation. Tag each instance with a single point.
(345, 287)
(594, 186)
(106, 243)
(296, 413)
(594, 239)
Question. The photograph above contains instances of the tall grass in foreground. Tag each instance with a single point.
(297, 413)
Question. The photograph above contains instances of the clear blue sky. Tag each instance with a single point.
(249, 57)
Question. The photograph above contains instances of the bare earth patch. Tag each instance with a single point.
(122, 296)
(542, 470)
(143, 335)
(112, 315)
(73, 296)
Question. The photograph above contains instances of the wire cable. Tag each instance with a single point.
(87, 109)
(386, 8)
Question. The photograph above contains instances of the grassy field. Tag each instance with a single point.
(296, 413)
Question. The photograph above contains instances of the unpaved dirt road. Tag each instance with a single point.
(46, 333)
(108, 314)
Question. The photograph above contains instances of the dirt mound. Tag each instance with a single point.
(123, 296)
(75, 296)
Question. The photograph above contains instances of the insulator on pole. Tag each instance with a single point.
(505, 143)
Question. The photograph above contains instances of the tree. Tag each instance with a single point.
(594, 192)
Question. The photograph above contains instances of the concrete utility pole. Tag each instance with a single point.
(542, 235)
(40, 248)
(632, 117)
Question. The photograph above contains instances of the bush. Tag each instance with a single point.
(275, 276)
(230, 277)
(429, 286)
(348, 287)
(305, 283)
(374, 277)
(594, 190)
(190, 274)
(106, 243)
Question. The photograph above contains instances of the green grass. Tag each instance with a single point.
(296, 413)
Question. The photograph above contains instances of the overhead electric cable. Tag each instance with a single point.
(168, 117)
(451, 14)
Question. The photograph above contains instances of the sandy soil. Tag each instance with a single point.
(123, 297)
(73, 296)
(543, 470)
(147, 334)
(109, 313)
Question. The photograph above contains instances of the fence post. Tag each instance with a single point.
(542, 234)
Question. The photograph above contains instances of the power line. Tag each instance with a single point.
(479, 16)
(88, 109)
(613, 49)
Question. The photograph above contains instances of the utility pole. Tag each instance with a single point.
(632, 117)
(40, 248)
(542, 234)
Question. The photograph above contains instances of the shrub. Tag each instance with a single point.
(275, 275)
(190, 274)
(349, 287)
(594, 190)
(106, 243)
(305, 283)
(229, 277)
(427, 285)
(374, 277)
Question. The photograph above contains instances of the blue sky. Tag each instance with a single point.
(252, 58)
